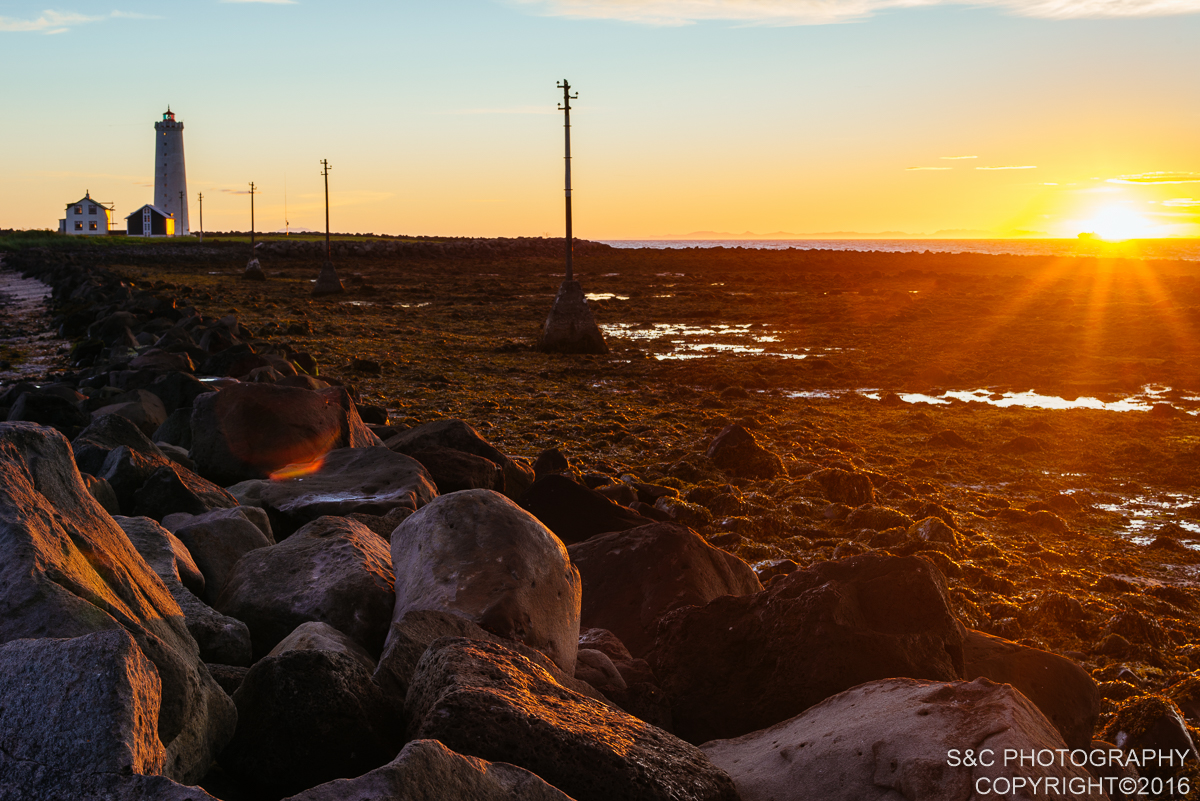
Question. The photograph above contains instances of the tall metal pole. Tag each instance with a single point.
(201, 216)
(252, 219)
(325, 172)
(565, 108)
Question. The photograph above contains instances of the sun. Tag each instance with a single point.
(1115, 223)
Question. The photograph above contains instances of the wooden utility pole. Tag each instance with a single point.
(252, 219)
(253, 270)
(565, 108)
(325, 172)
(328, 282)
(201, 216)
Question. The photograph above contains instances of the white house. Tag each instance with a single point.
(86, 217)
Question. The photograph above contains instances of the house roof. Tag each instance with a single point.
(152, 207)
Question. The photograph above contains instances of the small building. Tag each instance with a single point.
(150, 221)
(86, 217)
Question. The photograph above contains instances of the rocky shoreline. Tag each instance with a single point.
(376, 545)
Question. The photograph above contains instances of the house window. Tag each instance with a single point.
(79, 209)
(91, 209)
(79, 226)
(91, 226)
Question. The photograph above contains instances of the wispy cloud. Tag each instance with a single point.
(1182, 202)
(52, 22)
(819, 12)
(1010, 167)
(928, 168)
(1158, 178)
(957, 158)
(509, 110)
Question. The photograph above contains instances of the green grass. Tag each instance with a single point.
(21, 240)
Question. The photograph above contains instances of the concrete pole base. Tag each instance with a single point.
(254, 271)
(570, 327)
(328, 282)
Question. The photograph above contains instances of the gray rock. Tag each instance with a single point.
(87, 704)
(895, 738)
(249, 431)
(173, 488)
(23, 781)
(460, 436)
(308, 717)
(255, 515)
(102, 491)
(317, 636)
(217, 540)
(328, 282)
(332, 570)
(142, 408)
(426, 770)
(488, 701)
(477, 554)
(68, 570)
(367, 480)
(632, 579)
(105, 434)
(222, 639)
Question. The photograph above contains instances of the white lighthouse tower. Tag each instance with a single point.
(170, 174)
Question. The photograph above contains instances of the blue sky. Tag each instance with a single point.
(728, 115)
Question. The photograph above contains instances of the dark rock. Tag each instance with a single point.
(745, 663)
(373, 415)
(897, 738)
(633, 578)
(878, 518)
(102, 491)
(932, 529)
(47, 409)
(488, 701)
(328, 282)
(178, 390)
(426, 770)
(453, 470)
(550, 461)
(574, 512)
(1153, 723)
(637, 691)
(248, 431)
(332, 570)
(173, 488)
(1061, 689)
(477, 554)
(68, 570)
(317, 636)
(142, 408)
(843, 486)
(367, 480)
(253, 271)
(230, 677)
(216, 541)
(308, 717)
(736, 451)
(570, 327)
(177, 430)
(460, 436)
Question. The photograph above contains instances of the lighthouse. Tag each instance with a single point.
(170, 175)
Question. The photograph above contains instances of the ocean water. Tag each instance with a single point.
(1187, 249)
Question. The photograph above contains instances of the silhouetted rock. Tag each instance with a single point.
(173, 488)
(736, 451)
(142, 408)
(48, 409)
(104, 435)
(479, 555)
(317, 636)
(633, 578)
(570, 327)
(574, 512)
(460, 436)
(453, 470)
(745, 663)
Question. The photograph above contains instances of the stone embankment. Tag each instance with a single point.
(219, 569)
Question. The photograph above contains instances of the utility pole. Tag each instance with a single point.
(177, 231)
(201, 216)
(565, 108)
(570, 328)
(328, 282)
(252, 219)
(253, 270)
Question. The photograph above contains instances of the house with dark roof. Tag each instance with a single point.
(150, 220)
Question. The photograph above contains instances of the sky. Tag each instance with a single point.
(994, 118)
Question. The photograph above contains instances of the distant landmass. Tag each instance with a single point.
(945, 233)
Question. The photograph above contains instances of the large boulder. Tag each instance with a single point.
(477, 554)
(370, 481)
(488, 701)
(217, 540)
(460, 436)
(901, 738)
(88, 704)
(1065, 693)
(23, 781)
(249, 431)
(222, 639)
(317, 636)
(151, 485)
(744, 663)
(736, 451)
(142, 408)
(47, 409)
(69, 570)
(426, 770)
(453, 470)
(306, 717)
(575, 512)
(333, 570)
(844, 486)
(633, 578)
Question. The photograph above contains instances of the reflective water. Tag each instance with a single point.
(685, 341)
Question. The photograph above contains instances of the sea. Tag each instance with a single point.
(1172, 249)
